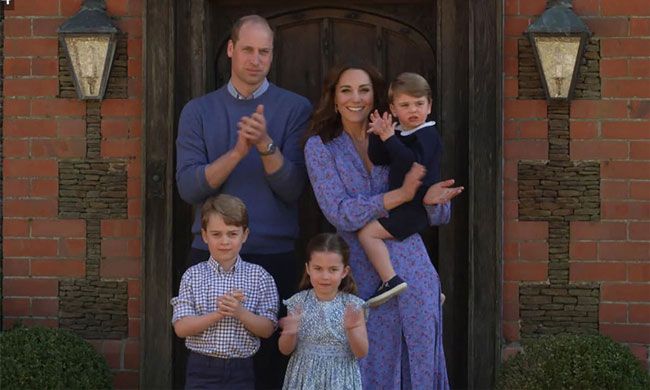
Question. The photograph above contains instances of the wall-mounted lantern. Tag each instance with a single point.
(558, 38)
(89, 39)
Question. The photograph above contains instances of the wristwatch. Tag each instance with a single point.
(270, 149)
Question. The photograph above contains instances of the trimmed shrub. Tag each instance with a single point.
(44, 358)
(573, 362)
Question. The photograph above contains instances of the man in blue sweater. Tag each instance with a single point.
(244, 139)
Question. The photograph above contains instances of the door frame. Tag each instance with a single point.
(470, 106)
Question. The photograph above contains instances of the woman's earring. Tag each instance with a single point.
(336, 108)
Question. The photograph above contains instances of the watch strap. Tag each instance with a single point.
(270, 149)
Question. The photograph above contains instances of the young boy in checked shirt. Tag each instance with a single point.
(224, 304)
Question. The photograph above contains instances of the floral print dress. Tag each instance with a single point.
(322, 359)
(405, 333)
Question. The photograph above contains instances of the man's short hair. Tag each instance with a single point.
(411, 84)
(230, 208)
(256, 19)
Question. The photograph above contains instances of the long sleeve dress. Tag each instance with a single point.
(405, 333)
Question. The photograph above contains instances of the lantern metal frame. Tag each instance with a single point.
(90, 22)
(558, 21)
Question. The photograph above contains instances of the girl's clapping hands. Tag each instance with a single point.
(353, 317)
(291, 322)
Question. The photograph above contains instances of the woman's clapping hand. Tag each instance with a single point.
(442, 192)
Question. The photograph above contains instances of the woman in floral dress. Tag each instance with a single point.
(405, 334)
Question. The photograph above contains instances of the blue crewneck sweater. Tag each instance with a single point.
(208, 129)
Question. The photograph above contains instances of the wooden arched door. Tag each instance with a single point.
(184, 51)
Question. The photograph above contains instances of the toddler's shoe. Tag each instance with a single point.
(386, 291)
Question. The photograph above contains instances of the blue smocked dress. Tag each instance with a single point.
(405, 333)
(322, 359)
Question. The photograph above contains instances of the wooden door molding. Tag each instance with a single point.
(469, 106)
(485, 198)
(156, 353)
(470, 113)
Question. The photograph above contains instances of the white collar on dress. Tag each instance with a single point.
(404, 133)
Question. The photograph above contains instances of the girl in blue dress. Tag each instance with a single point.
(325, 329)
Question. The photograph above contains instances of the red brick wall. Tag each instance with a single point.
(39, 130)
(614, 130)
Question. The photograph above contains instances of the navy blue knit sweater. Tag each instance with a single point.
(208, 128)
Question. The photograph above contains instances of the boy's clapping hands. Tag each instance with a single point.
(229, 304)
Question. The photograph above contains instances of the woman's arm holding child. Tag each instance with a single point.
(355, 329)
(344, 211)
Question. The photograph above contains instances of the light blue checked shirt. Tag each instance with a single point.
(256, 93)
(200, 287)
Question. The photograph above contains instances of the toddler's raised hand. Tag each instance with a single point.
(353, 317)
(382, 126)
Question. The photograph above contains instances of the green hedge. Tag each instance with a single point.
(44, 358)
(573, 362)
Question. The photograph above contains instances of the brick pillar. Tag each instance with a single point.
(558, 191)
(93, 189)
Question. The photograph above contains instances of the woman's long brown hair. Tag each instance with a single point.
(326, 122)
(332, 243)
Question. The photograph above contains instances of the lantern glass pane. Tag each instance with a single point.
(558, 56)
(88, 59)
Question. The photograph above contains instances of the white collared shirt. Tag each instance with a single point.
(404, 133)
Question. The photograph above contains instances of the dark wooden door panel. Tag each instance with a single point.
(353, 40)
(309, 41)
(409, 55)
(297, 64)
